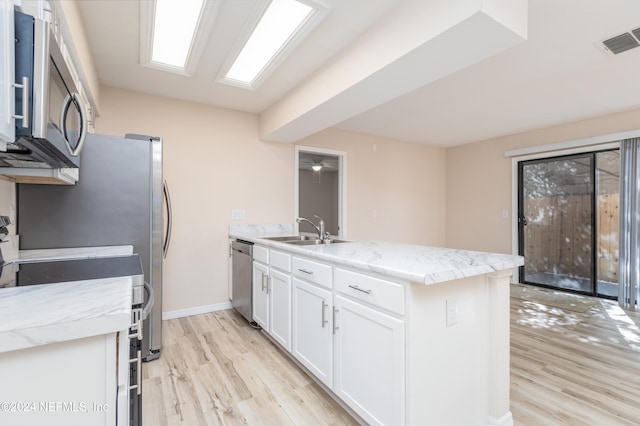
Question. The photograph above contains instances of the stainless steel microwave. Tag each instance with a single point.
(50, 119)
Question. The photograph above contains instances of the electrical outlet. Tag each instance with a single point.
(505, 214)
(452, 312)
(374, 214)
(238, 214)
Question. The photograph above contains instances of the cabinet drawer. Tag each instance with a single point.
(312, 271)
(261, 254)
(280, 260)
(385, 294)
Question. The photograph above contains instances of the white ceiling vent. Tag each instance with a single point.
(623, 42)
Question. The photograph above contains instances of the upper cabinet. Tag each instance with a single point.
(7, 129)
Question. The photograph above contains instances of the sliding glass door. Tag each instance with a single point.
(568, 222)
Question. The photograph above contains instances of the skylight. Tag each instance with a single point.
(174, 28)
(280, 23)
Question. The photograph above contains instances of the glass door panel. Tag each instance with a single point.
(556, 217)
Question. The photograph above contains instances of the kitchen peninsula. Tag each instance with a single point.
(399, 333)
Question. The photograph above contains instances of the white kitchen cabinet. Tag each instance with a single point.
(280, 307)
(271, 290)
(260, 290)
(78, 382)
(313, 329)
(7, 74)
(369, 362)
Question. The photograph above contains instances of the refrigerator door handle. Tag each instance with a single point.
(146, 310)
(167, 236)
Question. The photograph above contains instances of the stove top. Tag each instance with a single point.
(51, 272)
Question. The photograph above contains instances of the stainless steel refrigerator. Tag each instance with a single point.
(118, 200)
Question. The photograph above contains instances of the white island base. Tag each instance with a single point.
(400, 334)
(459, 373)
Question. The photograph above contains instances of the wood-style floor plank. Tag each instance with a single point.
(570, 368)
(567, 368)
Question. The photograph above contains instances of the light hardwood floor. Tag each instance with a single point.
(566, 368)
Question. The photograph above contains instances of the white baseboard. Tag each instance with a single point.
(196, 310)
(506, 420)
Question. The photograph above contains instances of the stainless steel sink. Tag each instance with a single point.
(313, 242)
(302, 240)
(288, 238)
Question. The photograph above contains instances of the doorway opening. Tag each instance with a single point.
(320, 188)
(568, 218)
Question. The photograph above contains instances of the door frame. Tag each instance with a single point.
(581, 146)
(591, 155)
(342, 184)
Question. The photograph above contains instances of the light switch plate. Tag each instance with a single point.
(238, 214)
(452, 312)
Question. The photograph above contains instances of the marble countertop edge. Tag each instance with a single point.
(407, 262)
(63, 332)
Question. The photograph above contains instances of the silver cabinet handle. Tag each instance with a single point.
(335, 324)
(138, 361)
(262, 281)
(324, 306)
(355, 287)
(73, 98)
(25, 102)
(304, 271)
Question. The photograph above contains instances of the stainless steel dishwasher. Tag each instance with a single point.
(241, 293)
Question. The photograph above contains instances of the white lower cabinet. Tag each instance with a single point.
(345, 327)
(280, 308)
(272, 295)
(369, 362)
(260, 289)
(313, 329)
(73, 383)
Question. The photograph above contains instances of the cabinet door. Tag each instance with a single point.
(313, 329)
(369, 362)
(280, 308)
(7, 99)
(260, 295)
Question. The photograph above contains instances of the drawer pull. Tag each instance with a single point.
(355, 287)
(304, 271)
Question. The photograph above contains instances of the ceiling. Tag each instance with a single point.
(559, 74)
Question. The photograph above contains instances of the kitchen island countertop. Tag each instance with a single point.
(414, 263)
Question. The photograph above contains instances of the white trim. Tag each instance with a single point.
(197, 310)
(320, 11)
(587, 144)
(578, 146)
(506, 420)
(204, 26)
(342, 184)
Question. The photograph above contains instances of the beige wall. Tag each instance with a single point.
(404, 183)
(214, 162)
(478, 182)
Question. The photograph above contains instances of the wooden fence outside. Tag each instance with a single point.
(558, 235)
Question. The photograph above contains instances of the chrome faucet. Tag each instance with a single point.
(319, 228)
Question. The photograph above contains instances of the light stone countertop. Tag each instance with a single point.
(42, 314)
(72, 253)
(414, 263)
(49, 313)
